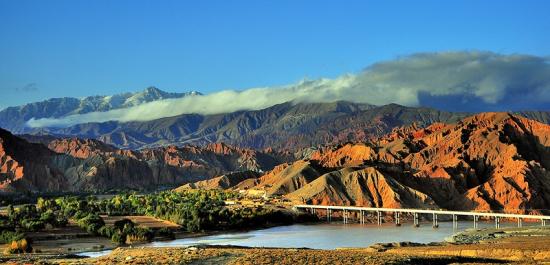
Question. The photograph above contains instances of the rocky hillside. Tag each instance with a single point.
(26, 166)
(15, 118)
(84, 165)
(490, 161)
(226, 181)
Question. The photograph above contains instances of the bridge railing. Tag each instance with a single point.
(425, 211)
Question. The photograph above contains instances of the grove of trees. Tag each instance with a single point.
(199, 210)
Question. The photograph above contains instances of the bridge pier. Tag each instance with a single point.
(416, 220)
(329, 215)
(542, 222)
(345, 216)
(497, 222)
(379, 217)
(362, 217)
(397, 222)
(520, 222)
(434, 219)
(476, 218)
(455, 221)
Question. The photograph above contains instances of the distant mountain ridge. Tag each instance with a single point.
(15, 118)
(288, 126)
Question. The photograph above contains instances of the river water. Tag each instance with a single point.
(324, 236)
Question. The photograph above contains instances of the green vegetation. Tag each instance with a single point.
(165, 233)
(193, 210)
(126, 232)
(7, 236)
(29, 217)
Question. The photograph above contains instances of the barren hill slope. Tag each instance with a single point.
(497, 161)
(222, 182)
(361, 187)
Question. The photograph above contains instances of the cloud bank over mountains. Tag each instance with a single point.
(456, 81)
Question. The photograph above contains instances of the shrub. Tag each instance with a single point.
(61, 221)
(106, 231)
(9, 236)
(118, 237)
(92, 223)
(144, 233)
(18, 246)
(48, 217)
(32, 225)
(122, 223)
(165, 232)
(139, 236)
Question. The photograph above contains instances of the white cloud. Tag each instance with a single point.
(490, 78)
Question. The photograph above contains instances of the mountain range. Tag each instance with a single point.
(323, 153)
(489, 161)
(283, 126)
(14, 119)
(289, 126)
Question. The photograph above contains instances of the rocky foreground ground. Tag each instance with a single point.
(486, 246)
(236, 255)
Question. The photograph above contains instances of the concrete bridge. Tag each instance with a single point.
(416, 214)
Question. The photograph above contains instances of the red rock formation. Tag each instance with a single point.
(490, 161)
(83, 164)
(80, 148)
(27, 166)
(495, 161)
(347, 155)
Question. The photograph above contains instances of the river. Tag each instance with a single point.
(323, 236)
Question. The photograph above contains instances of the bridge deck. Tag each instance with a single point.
(427, 211)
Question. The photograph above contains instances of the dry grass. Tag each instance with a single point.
(147, 221)
(519, 248)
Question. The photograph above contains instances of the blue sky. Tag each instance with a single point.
(79, 48)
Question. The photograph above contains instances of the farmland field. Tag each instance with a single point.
(147, 221)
